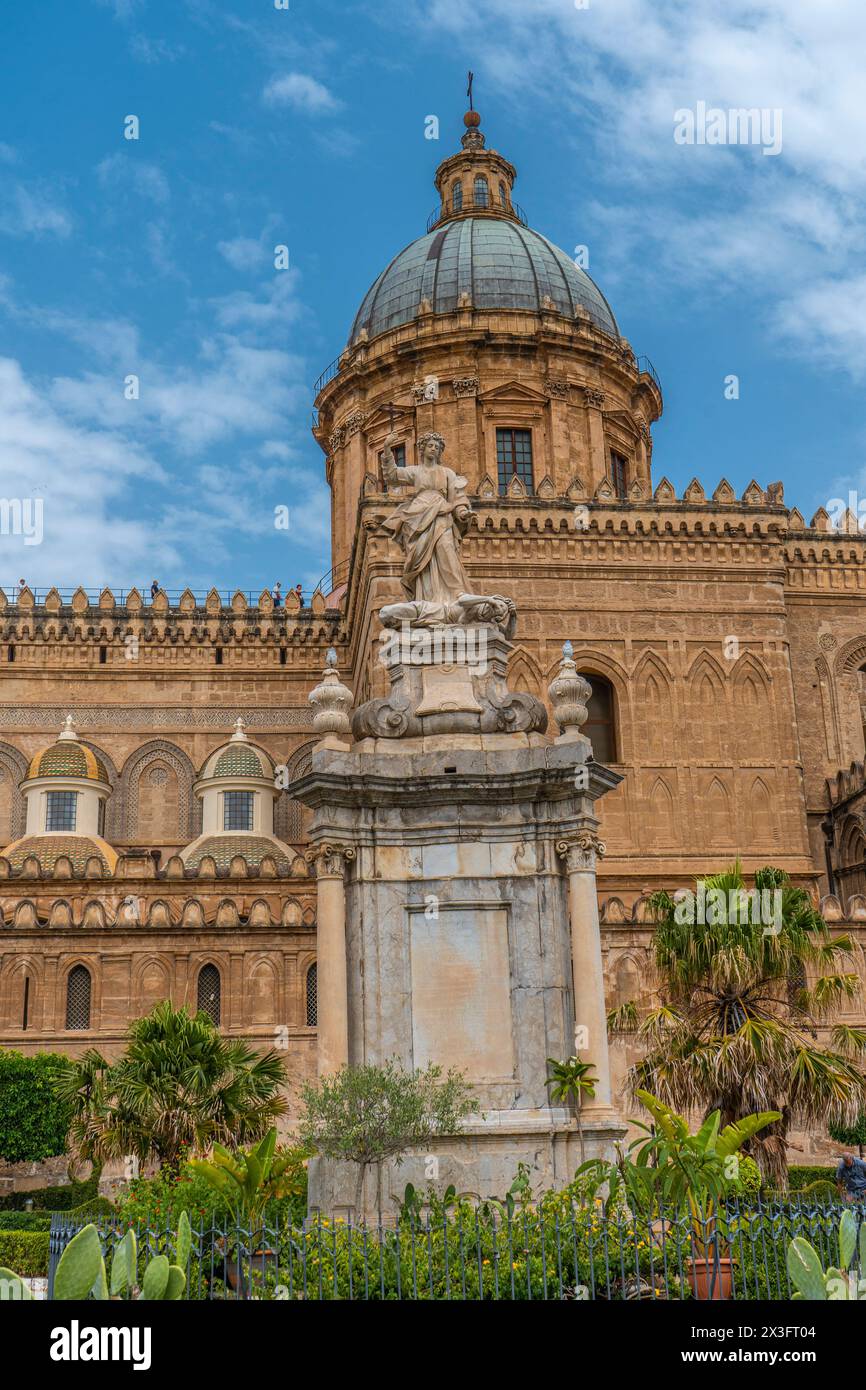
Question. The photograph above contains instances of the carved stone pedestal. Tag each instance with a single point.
(467, 861)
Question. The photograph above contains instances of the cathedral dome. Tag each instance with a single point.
(495, 261)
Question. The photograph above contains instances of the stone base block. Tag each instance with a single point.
(482, 1163)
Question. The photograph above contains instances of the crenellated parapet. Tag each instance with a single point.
(130, 628)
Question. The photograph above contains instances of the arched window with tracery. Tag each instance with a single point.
(482, 192)
(209, 992)
(78, 988)
(312, 996)
(457, 197)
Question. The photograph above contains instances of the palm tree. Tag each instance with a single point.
(178, 1085)
(735, 1028)
(569, 1082)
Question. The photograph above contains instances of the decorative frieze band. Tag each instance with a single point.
(138, 719)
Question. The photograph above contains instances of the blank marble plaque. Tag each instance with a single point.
(461, 991)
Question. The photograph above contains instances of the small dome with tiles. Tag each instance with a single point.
(238, 758)
(68, 757)
(223, 848)
(78, 849)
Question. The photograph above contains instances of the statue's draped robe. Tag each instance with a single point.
(426, 528)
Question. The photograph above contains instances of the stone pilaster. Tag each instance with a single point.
(329, 863)
(580, 853)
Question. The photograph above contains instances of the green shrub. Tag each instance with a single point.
(24, 1251)
(66, 1198)
(158, 1201)
(33, 1121)
(800, 1176)
(25, 1220)
(747, 1183)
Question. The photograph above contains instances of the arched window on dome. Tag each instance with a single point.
(457, 197)
(78, 997)
(482, 192)
(600, 727)
(209, 992)
(312, 996)
(503, 195)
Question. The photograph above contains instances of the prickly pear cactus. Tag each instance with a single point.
(815, 1284)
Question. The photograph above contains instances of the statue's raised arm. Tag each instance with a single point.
(391, 471)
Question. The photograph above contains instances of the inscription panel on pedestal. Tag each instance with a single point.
(461, 991)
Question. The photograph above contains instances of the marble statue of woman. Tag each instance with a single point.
(428, 526)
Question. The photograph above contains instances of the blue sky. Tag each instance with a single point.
(306, 127)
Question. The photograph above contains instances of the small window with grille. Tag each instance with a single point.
(238, 811)
(60, 810)
(503, 195)
(619, 475)
(312, 996)
(78, 997)
(482, 193)
(457, 197)
(209, 989)
(514, 458)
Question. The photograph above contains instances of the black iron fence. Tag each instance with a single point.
(553, 1250)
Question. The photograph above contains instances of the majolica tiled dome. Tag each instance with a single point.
(223, 848)
(498, 262)
(238, 758)
(68, 758)
(49, 848)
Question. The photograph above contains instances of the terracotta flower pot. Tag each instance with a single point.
(711, 1279)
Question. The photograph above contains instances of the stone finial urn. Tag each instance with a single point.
(331, 700)
(569, 695)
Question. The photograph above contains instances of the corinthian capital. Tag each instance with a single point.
(581, 850)
(329, 860)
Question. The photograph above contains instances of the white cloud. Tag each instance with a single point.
(127, 172)
(31, 210)
(301, 91)
(152, 51)
(765, 226)
(81, 475)
(242, 252)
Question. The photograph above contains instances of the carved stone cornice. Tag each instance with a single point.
(329, 860)
(580, 851)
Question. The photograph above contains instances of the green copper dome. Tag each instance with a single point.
(498, 262)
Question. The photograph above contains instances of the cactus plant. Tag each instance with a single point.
(81, 1271)
(815, 1284)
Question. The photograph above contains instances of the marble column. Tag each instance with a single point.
(332, 1013)
(590, 1015)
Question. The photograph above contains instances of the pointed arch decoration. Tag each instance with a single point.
(289, 814)
(156, 751)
